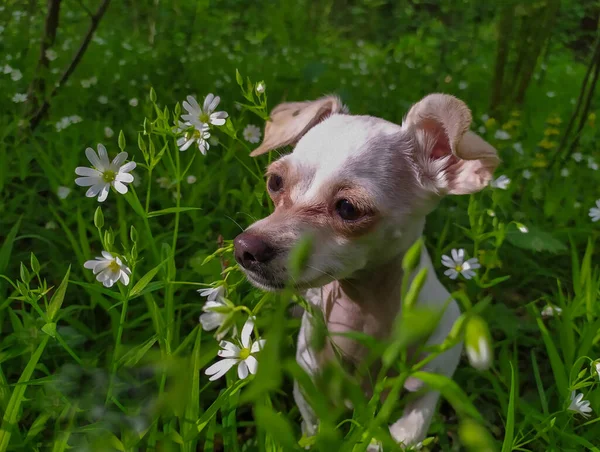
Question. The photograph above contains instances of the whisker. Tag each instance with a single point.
(236, 223)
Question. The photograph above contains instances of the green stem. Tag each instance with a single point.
(113, 369)
(148, 190)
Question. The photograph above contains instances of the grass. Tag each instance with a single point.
(86, 367)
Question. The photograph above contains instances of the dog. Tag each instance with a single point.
(361, 187)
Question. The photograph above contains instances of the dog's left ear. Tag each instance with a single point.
(290, 121)
(452, 159)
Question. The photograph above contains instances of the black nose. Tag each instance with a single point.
(252, 250)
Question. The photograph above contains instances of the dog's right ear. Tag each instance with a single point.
(290, 121)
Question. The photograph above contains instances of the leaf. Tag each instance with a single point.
(451, 392)
(50, 329)
(558, 368)
(170, 210)
(134, 202)
(509, 430)
(145, 280)
(222, 399)
(277, 426)
(58, 297)
(535, 240)
(135, 354)
(6, 249)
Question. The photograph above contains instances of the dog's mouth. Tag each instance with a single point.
(264, 282)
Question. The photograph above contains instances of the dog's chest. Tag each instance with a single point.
(344, 315)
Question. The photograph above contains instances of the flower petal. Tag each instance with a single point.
(247, 331)
(118, 160)
(252, 364)
(447, 262)
(88, 181)
(258, 346)
(207, 103)
(95, 189)
(119, 186)
(103, 193)
(129, 166)
(242, 370)
(103, 155)
(124, 177)
(94, 159)
(220, 368)
(124, 278)
(85, 171)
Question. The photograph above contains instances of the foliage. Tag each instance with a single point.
(96, 368)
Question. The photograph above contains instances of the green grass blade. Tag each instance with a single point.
(509, 430)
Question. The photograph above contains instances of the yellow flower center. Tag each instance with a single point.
(458, 268)
(204, 118)
(109, 176)
(244, 353)
(113, 266)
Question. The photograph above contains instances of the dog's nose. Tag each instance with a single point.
(252, 250)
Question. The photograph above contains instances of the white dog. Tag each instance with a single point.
(362, 187)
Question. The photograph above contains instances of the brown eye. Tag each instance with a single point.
(347, 211)
(275, 183)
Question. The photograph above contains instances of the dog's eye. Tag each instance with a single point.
(346, 210)
(275, 183)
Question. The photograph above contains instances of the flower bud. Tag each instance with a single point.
(475, 437)
(99, 218)
(260, 88)
(412, 258)
(478, 343)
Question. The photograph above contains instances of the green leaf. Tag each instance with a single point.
(121, 141)
(238, 78)
(135, 204)
(451, 392)
(558, 368)
(35, 264)
(412, 257)
(135, 354)
(50, 329)
(152, 95)
(145, 280)
(277, 426)
(170, 210)
(99, 218)
(7, 246)
(509, 430)
(58, 297)
(218, 403)
(535, 240)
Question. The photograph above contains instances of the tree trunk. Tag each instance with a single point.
(37, 88)
(504, 29)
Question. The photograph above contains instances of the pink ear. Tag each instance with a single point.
(290, 121)
(453, 159)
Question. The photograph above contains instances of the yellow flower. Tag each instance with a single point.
(491, 122)
(515, 114)
(554, 121)
(546, 144)
(551, 131)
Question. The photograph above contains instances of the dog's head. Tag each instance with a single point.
(359, 185)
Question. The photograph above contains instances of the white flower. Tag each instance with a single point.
(501, 182)
(50, 225)
(577, 204)
(16, 75)
(198, 117)
(521, 227)
(481, 130)
(579, 405)
(592, 164)
(103, 99)
(595, 212)
(577, 156)
(7, 69)
(191, 179)
(109, 269)
(18, 98)
(62, 192)
(133, 102)
(597, 367)
(550, 311)
(104, 174)
(457, 264)
(260, 88)
(518, 147)
(193, 135)
(502, 135)
(564, 172)
(463, 85)
(212, 293)
(485, 117)
(108, 132)
(527, 174)
(479, 358)
(252, 133)
(233, 354)
(550, 94)
(51, 54)
(163, 182)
